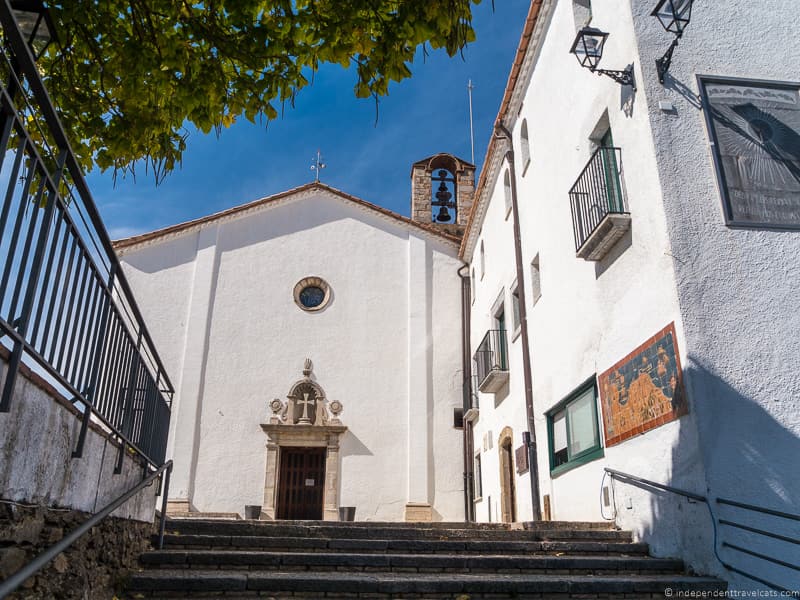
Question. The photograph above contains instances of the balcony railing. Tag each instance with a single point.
(491, 361)
(600, 214)
(65, 305)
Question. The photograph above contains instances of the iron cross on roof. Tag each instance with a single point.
(317, 166)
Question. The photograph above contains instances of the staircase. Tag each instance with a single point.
(315, 559)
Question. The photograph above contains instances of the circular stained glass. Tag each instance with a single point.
(312, 296)
(312, 293)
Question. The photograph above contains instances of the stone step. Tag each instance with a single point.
(537, 525)
(188, 582)
(217, 516)
(385, 531)
(421, 563)
(176, 517)
(422, 546)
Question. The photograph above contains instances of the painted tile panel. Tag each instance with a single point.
(644, 390)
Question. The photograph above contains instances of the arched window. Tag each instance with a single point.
(472, 285)
(483, 261)
(582, 11)
(525, 146)
(444, 191)
(507, 190)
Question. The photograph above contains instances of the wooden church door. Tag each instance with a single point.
(301, 484)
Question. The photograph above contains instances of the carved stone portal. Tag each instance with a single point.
(304, 420)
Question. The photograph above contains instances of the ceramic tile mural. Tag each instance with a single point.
(644, 390)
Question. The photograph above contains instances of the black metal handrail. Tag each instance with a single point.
(597, 192)
(18, 578)
(658, 486)
(491, 355)
(64, 299)
(648, 485)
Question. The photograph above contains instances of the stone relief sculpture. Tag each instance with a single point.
(305, 404)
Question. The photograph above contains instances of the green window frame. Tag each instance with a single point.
(571, 411)
(477, 478)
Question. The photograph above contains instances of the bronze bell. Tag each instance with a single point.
(442, 195)
(444, 214)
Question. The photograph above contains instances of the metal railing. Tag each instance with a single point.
(718, 523)
(18, 578)
(491, 355)
(597, 193)
(65, 304)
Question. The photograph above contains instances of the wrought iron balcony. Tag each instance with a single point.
(491, 361)
(600, 214)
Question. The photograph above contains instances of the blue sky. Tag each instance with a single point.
(426, 114)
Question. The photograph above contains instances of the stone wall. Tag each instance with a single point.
(96, 566)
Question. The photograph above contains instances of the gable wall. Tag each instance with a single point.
(365, 345)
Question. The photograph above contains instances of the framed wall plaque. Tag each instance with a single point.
(754, 128)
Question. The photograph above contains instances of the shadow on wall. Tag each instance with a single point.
(749, 457)
(350, 445)
(625, 242)
(627, 96)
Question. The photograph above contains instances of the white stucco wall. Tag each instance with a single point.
(387, 346)
(591, 315)
(164, 275)
(737, 286)
(37, 438)
(505, 408)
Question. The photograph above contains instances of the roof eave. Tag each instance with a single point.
(172, 230)
(511, 97)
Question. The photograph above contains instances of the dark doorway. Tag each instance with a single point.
(509, 501)
(301, 484)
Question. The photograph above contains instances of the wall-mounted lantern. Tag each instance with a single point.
(674, 16)
(35, 24)
(588, 49)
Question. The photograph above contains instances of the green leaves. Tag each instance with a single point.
(130, 75)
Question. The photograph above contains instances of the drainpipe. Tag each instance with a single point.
(533, 465)
(466, 365)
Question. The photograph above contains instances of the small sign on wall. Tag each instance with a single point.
(644, 390)
(521, 456)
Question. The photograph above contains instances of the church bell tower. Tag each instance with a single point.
(442, 191)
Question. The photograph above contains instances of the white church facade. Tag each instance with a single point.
(311, 371)
(618, 290)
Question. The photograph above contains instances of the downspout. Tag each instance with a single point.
(533, 465)
(466, 365)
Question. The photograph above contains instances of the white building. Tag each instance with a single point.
(239, 300)
(659, 341)
(632, 304)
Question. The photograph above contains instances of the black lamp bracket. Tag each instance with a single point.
(663, 63)
(622, 77)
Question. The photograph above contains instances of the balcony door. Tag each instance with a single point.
(611, 173)
(500, 324)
